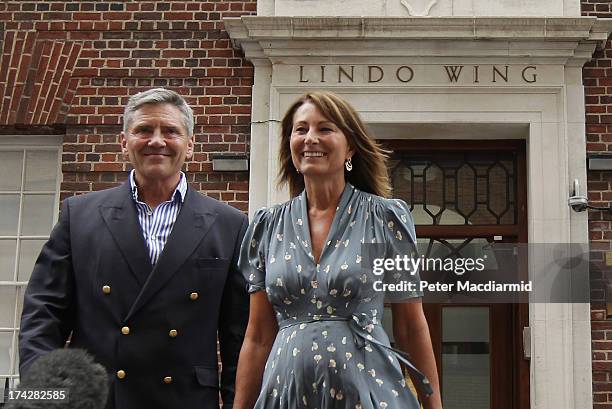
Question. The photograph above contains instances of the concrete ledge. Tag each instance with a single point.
(564, 28)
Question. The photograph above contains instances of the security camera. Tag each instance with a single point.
(580, 203)
(577, 202)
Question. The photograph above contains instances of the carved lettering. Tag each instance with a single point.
(534, 76)
(342, 71)
(398, 74)
(504, 76)
(371, 69)
(302, 79)
(373, 74)
(453, 72)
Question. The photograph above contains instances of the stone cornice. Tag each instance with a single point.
(255, 27)
(263, 37)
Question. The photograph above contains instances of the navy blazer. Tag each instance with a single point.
(154, 329)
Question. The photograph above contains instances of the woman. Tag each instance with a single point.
(316, 327)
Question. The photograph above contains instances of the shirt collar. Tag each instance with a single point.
(179, 192)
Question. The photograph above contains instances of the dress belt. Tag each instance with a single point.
(362, 325)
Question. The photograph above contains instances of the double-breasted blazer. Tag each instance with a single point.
(154, 328)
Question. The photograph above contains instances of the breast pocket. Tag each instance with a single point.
(207, 278)
(209, 263)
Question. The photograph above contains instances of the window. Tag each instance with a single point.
(29, 199)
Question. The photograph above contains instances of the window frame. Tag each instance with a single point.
(25, 144)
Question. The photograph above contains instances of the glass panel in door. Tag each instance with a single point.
(466, 358)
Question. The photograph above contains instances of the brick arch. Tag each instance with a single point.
(36, 84)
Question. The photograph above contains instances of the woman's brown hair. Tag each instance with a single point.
(369, 172)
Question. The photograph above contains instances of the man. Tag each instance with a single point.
(144, 275)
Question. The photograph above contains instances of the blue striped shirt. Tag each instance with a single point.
(157, 223)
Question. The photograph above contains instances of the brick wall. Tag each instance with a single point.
(597, 76)
(69, 67)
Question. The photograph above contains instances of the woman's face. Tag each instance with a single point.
(318, 147)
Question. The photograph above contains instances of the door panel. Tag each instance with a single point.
(466, 357)
(469, 192)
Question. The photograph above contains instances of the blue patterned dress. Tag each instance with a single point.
(331, 350)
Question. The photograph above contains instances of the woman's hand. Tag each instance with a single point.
(412, 336)
(260, 334)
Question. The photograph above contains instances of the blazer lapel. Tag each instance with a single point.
(120, 216)
(190, 227)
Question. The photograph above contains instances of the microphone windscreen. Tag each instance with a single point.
(71, 369)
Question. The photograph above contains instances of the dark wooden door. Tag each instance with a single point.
(470, 192)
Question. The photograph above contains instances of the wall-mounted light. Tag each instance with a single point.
(230, 162)
(599, 161)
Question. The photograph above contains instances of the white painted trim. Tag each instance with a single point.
(31, 141)
(268, 28)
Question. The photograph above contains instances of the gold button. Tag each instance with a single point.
(194, 296)
(125, 330)
(168, 379)
(121, 374)
(173, 333)
(106, 289)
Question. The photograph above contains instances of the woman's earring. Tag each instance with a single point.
(348, 164)
(297, 170)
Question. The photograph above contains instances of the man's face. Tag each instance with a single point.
(157, 142)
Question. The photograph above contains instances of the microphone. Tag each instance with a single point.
(73, 370)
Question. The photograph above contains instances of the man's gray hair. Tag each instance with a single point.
(158, 96)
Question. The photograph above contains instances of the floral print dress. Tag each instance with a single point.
(331, 350)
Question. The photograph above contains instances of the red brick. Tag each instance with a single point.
(602, 387)
(601, 325)
(108, 167)
(592, 147)
(148, 16)
(600, 397)
(107, 148)
(596, 109)
(76, 167)
(176, 53)
(178, 16)
(144, 72)
(105, 110)
(602, 366)
(21, 16)
(114, 73)
(600, 377)
(602, 345)
(176, 72)
(116, 15)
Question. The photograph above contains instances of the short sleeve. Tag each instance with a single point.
(400, 239)
(252, 260)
